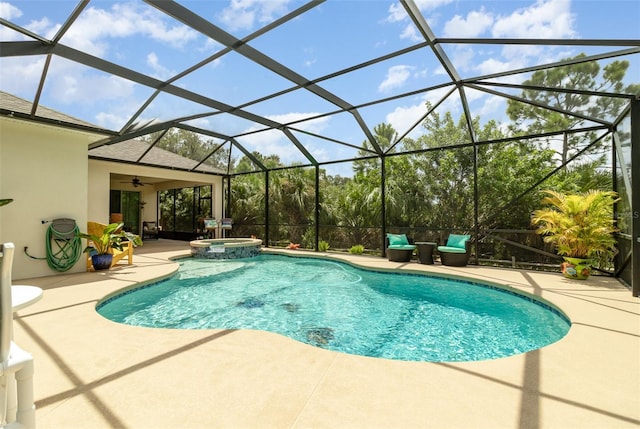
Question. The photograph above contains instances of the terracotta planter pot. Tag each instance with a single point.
(576, 268)
(102, 261)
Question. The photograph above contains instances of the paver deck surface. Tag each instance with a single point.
(94, 373)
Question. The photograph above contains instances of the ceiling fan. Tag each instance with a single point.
(135, 182)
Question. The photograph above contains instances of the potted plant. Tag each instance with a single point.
(100, 246)
(581, 227)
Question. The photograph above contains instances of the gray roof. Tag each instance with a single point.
(133, 151)
(12, 104)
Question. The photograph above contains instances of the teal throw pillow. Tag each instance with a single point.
(456, 240)
(397, 239)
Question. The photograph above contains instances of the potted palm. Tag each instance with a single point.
(581, 227)
(100, 246)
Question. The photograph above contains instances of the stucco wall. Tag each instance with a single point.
(99, 172)
(47, 172)
(44, 169)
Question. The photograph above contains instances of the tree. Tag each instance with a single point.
(191, 145)
(385, 136)
(357, 207)
(440, 180)
(247, 202)
(292, 200)
(586, 76)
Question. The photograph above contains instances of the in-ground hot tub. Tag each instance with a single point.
(226, 248)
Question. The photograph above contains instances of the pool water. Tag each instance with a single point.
(343, 308)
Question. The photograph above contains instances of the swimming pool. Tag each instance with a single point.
(339, 307)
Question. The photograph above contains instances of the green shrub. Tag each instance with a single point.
(308, 239)
(323, 246)
(358, 249)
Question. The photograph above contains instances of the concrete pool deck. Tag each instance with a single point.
(94, 373)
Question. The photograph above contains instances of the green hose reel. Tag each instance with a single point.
(64, 247)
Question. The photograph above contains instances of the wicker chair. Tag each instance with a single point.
(149, 230)
(399, 248)
(456, 252)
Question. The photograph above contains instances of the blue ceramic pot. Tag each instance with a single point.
(102, 261)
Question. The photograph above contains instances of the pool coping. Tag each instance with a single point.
(91, 372)
(228, 242)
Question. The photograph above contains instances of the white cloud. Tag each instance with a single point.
(397, 12)
(243, 14)
(401, 118)
(110, 120)
(9, 11)
(313, 126)
(160, 72)
(72, 84)
(426, 5)
(411, 33)
(476, 23)
(404, 117)
(462, 57)
(69, 85)
(275, 142)
(271, 142)
(20, 75)
(493, 105)
(544, 19)
(44, 27)
(96, 26)
(396, 77)
(321, 153)
(493, 65)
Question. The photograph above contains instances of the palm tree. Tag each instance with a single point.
(579, 225)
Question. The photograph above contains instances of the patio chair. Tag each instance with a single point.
(226, 224)
(399, 249)
(96, 228)
(17, 408)
(456, 252)
(210, 225)
(149, 230)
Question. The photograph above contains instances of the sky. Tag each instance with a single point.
(333, 36)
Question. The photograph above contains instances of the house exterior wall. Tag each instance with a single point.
(44, 170)
(100, 171)
(47, 172)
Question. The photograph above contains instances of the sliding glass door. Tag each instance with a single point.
(128, 204)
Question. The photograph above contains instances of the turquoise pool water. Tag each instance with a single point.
(339, 307)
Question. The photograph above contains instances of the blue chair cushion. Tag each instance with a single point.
(456, 240)
(450, 249)
(402, 247)
(397, 239)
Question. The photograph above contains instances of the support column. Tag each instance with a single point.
(383, 205)
(317, 209)
(635, 196)
(266, 208)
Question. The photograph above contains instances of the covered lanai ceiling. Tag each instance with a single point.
(305, 82)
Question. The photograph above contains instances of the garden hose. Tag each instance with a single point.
(64, 247)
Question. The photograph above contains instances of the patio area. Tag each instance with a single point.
(94, 373)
